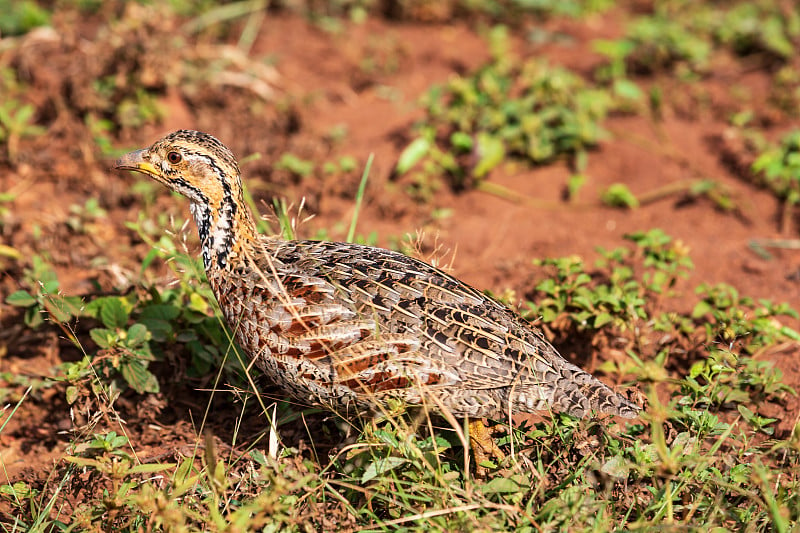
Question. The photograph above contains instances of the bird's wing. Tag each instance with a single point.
(463, 335)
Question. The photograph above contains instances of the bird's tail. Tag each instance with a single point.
(578, 393)
(568, 389)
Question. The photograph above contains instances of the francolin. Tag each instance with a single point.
(349, 327)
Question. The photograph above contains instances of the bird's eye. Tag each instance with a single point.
(174, 158)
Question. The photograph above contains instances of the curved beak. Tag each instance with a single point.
(135, 161)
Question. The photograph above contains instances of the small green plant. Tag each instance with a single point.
(508, 107)
(186, 316)
(100, 130)
(729, 318)
(779, 167)
(622, 299)
(105, 459)
(660, 41)
(16, 122)
(626, 297)
(619, 195)
(390, 458)
(759, 27)
(726, 377)
(683, 36)
(616, 71)
(344, 165)
(785, 90)
(124, 349)
(665, 259)
(295, 166)
(131, 106)
(82, 217)
(18, 17)
(107, 443)
(139, 109)
(43, 299)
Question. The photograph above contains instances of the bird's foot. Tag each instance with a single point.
(483, 446)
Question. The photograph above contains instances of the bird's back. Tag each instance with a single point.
(349, 326)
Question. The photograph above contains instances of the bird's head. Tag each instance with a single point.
(192, 163)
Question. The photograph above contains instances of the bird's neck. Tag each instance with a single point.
(225, 231)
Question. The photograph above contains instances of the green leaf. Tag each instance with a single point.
(115, 441)
(491, 152)
(198, 303)
(161, 311)
(20, 299)
(19, 490)
(701, 309)
(502, 485)
(72, 394)
(696, 370)
(461, 141)
(602, 319)
(412, 154)
(387, 438)
(549, 315)
(138, 377)
(137, 335)
(184, 470)
(148, 259)
(143, 353)
(574, 184)
(202, 358)
(258, 457)
(382, 466)
(62, 308)
(25, 113)
(83, 461)
(160, 330)
(791, 333)
(151, 468)
(627, 89)
(616, 467)
(618, 195)
(745, 412)
(295, 165)
(103, 337)
(113, 313)
(33, 317)
(50, 287)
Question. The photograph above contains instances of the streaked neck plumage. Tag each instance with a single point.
(225, 229)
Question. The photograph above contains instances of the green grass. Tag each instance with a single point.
(703, 453)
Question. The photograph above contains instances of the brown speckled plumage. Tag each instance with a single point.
(346, 326)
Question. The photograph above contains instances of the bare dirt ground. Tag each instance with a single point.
(322, 83)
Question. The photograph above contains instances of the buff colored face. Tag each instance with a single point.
(193, 164)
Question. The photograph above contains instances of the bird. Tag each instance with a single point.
(353, 328)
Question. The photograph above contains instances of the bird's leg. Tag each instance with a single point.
(483, 445)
